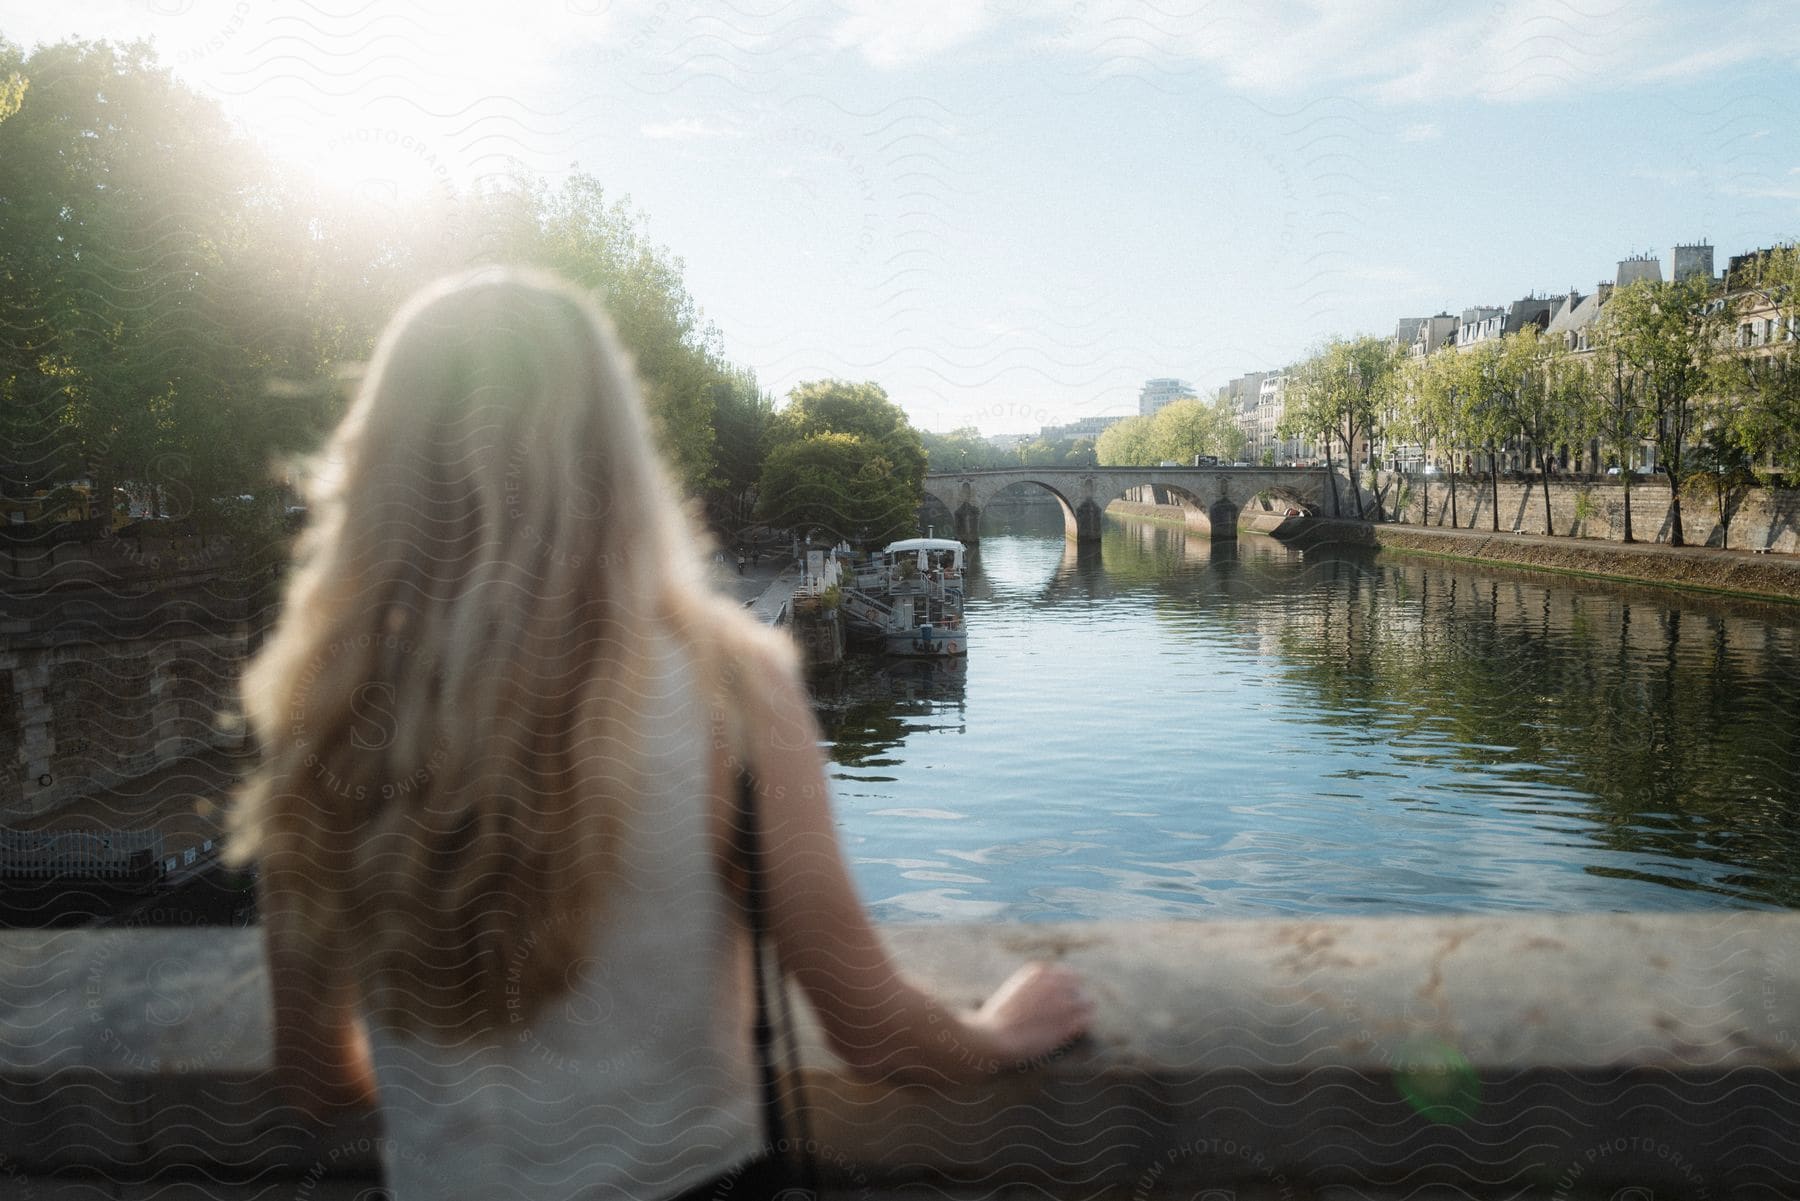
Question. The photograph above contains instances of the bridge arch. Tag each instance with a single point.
(1214, 496)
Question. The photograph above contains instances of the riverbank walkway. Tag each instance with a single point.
(766, 587)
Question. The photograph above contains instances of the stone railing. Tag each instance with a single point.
(1519, 1056)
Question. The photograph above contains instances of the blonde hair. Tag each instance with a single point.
(445, 707)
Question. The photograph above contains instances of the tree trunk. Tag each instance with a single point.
(1494, 483)
(1675, 535)
(1425, 500)
(1544, 475)
(1350, 470)
(1454, 520)
(1625, 474)
(1331, 476)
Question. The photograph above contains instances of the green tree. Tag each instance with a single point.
(1618, 416)
(963, 450)
(1126, 443)
(1545, 401)
(1721, 467)
(743, 423)
(122, 247)
(1673, 335)
(1768, 377)
(1185, 428)
(844, 459)
(1339, 395)
(605, 246)
(1428, 412)
(1493, 375)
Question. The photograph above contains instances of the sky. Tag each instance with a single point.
(1012, 213)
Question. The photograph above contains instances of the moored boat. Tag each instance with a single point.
(910, 596)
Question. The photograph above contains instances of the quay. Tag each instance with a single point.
(1532, 1056)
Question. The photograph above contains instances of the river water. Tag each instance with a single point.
(1165, 728)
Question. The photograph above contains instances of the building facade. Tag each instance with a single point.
(1160, 393)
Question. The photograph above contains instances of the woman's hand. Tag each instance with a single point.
(1040, 1008)
(321, 1076)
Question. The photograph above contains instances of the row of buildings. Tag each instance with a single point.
(1259, 397)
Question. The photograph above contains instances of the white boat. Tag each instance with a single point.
(910, 596)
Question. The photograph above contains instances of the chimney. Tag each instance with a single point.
(1639, 267)
(1694, 258)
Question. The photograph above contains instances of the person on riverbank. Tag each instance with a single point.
(503, 724)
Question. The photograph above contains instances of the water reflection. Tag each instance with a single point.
(1162, 725)
(869, 705)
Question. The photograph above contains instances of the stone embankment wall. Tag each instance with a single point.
(1774, 577)
(1760, 519)
(116, 657)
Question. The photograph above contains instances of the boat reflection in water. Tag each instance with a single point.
(867, 707)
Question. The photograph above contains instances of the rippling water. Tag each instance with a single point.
(1162, 728)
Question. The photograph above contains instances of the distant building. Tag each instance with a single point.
(1479, 324)
(1575, 324)
(1745, 271)
(1533, 310)
(1160, 393)
(1085, 427)
(1421, 336)
(1241, 396)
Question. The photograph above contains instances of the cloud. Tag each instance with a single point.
(1421, 131)
(1409, 52)
(1763, 192)
(896, 35)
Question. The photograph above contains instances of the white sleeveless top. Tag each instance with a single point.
(638, 1081)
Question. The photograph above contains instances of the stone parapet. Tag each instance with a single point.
(1503, 1056)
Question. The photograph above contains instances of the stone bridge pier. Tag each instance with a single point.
(1212, 496)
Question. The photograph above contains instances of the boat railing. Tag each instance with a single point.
(816, 583)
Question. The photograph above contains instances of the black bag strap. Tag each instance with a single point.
(756, 904)
(756, 908)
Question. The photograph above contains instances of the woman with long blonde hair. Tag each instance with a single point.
(503, 724)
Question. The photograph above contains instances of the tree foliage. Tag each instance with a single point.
(1126, 443)
(964, 450)
(1340, 394)
(845, 461)
(1767, 424)
(1175, 433)
(1674, 337)
(174, 308)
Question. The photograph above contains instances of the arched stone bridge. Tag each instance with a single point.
(1213, 496)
